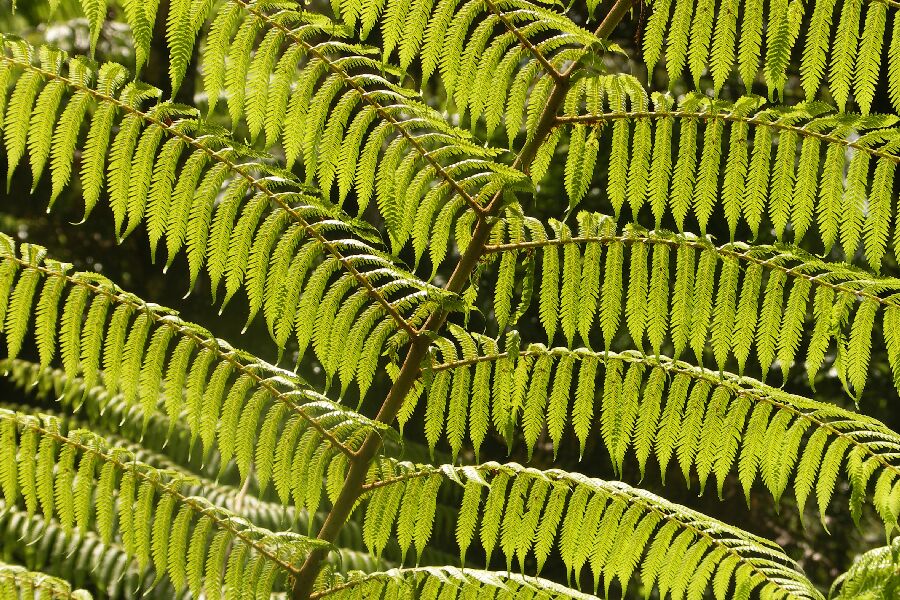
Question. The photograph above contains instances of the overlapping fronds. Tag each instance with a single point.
(489, 55)
(531, 513)
(162, 448)
(447, 33)
(109, 413)
(446, 582)
(352, 127)
(212, 450)
(250, 224)
(169, 448)
(243, 502)
(682, 292)
(260, 54)
(842, 44)
(783, 166)
(252, 412)
(80, 558)
(874, 575)
(335, 109)
(121, 426)
(708, 423)
(78, 479)
(18, 582)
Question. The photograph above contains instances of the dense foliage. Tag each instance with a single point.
(502, 266)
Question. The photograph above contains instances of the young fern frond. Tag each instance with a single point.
(851, 34)
(445, 582)
(156, 521)
(791, 175)
(722, 301)
(872, 575)
(17, 581)
(524, 512)
(707, 423)
(236, 239)
(225, 397)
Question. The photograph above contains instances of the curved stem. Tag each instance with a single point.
(418, 349)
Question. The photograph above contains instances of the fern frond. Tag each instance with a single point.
(709, 421)
(477, 49)
(322, 94)
(198, 369)
(872, 575)
(782, 185)
(835, 28)
(17, 581)
(272, 85)
(142, 494)
(180, 206)
(192, 417)
(333, 142)
(81, 557)
(651, 535)
(448, 582)
(196, 481)
(77, 557)
(433, 32)
(703, 291)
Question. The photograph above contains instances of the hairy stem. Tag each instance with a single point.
(418, 350)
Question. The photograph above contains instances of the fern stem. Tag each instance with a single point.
(237, 169)
(724, 250)
(207, 343)
(418, 349)
(612, 18)
(525, 42)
